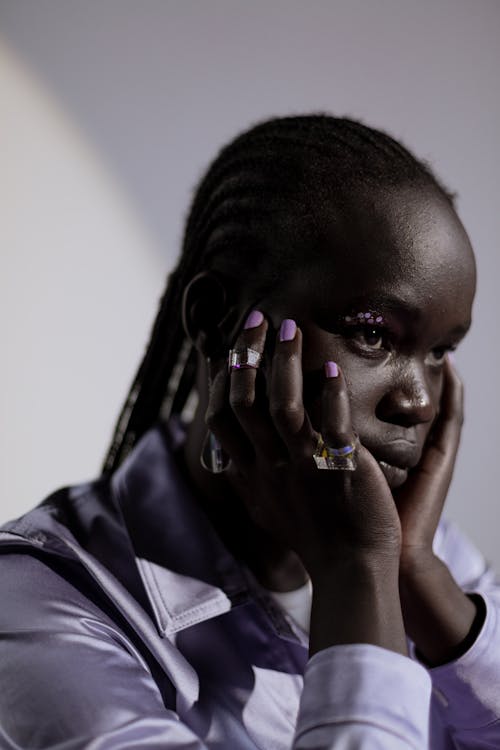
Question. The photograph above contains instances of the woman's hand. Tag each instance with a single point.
(326, 517)
(438, 615)
(343, 525)
(421, 499)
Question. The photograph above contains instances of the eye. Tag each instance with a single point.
(437, 356)
(368, 337)
(372, 337)
(367, 333)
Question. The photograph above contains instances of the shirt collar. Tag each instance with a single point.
(188, 573)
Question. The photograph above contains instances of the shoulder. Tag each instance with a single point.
(65, 662)
(34, 584)
(63, 511)
(41, 571)
(48, 606)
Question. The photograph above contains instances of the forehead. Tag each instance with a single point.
(405, 244)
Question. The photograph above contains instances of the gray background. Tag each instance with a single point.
(110, 112)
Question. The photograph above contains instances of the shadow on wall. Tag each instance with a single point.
(112, 94)
(137, 84)
(158, 87)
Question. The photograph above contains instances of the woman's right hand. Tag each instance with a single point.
(324, 516)
(343, 525)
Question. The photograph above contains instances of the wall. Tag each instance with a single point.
(110, 112)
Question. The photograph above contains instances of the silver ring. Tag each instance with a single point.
(243, 359)
(336, 459)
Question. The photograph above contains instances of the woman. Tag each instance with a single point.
(291, 433)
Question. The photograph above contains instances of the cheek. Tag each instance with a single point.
(366, 388)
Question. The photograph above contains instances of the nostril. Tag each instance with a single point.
(407, 410)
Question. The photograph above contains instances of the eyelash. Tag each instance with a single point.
(356, 332)
(381, 333)
(444, 351)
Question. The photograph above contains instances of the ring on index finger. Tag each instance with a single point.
(342, 458)
(244, 359)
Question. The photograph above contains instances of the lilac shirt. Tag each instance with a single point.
(125, 623)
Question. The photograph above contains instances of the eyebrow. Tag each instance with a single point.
(386, 303)
(460, 331)
(397, 305)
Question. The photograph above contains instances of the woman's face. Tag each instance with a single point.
(389, 297)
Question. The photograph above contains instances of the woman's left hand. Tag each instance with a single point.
(421, 499)
(438, 616)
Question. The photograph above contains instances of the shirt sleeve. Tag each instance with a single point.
(363, 697)
(467, 690)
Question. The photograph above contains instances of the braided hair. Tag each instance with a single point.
(260, 204)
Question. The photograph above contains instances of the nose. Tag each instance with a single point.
(408, 401)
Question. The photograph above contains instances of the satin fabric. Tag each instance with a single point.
(125, 623)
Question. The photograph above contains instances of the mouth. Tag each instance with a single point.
(396, 457)
(394, 475)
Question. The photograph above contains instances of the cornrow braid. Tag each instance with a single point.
(273, 181)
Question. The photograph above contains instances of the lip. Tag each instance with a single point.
(396, 458)
(402, 454)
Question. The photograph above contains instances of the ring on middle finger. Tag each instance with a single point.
(342, 458)
(244, 359)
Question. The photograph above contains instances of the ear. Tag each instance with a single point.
(205, 308)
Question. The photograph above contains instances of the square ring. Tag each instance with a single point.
(335, 459)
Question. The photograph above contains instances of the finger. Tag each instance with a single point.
(445, 438)
(247, 394)
(221, 420)
(285, 394)
(422, 497)
(431, 478)
(336, 424)
(451, 416)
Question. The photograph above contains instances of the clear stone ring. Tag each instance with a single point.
(243, 359)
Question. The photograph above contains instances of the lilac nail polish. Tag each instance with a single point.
(452, 359)
(254, 320)
(288, 330)
(331, 370)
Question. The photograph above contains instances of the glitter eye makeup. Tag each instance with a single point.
(369, 317)
(367, 331)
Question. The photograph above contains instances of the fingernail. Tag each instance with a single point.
(452, 358)
(254, 320)
(288, 329)
(331, 370)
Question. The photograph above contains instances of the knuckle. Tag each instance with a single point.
(285, 410)
(288, 358)
(338, 439)
(241, 402)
